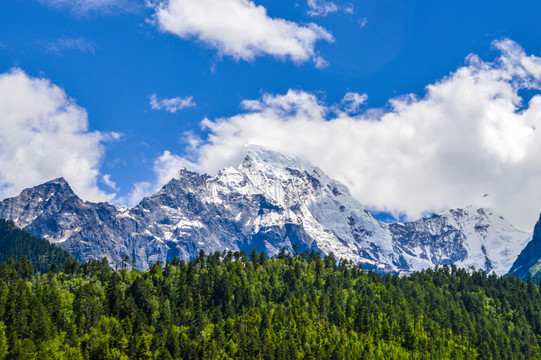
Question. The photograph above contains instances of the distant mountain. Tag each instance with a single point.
(271, 200)
(465, 237)
(16, 243)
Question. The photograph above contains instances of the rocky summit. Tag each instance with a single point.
(271, 200)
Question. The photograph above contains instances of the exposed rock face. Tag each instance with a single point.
(54, 212)
(528, 262)
(270, 201)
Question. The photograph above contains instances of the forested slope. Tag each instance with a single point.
(229, 305)
(16, 243)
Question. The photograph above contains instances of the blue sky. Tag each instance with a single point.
(138, 78)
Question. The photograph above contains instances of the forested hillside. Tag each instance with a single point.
(16, 243)
(230, 305)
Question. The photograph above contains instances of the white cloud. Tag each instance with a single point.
(139, 191)
(363, 22)
(66, 43)
(320, 63)
(352, 101)
(45, 135)
(468, 135)
(324, 8)
(171, 105)
(88, 6)
(239, 28)
(166, 167)
(321, 7)
(107, 180)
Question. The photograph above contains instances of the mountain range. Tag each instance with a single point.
(271, 200)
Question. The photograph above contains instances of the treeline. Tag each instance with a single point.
(231, 305)
(16, 243)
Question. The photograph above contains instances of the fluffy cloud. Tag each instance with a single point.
(107, 181)
(171, 105)
(470, 134)
(353, 101)
(321, 7)
(45, 135)
(166, 167)
(240, 28)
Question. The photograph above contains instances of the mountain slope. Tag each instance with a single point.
(271, 200)
(53, 211)
(528, 262)
(465, 237)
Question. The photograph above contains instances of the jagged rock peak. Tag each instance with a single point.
(57, 187)
(60, 181)
(189, 174)
(191, 177)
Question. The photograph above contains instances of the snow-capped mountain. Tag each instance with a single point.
(465, 237)
(271, 200)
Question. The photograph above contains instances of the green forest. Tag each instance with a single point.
(16, 243)
(232, 305)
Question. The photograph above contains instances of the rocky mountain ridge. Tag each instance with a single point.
(271, 200)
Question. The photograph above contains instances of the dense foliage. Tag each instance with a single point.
(16, 243)
(229, 305)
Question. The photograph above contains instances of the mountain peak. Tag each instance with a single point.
(256, 154)
(58, 186)
(189, 174)
(187, 178)
(60, 181)
(32, 202)
(262, 163)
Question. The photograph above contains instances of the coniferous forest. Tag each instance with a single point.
(231, 305)
(16, 243)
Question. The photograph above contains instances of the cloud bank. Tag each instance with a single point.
(44, 136)
(240, 28)
(470, 134)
